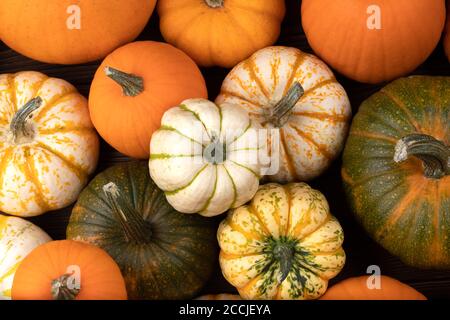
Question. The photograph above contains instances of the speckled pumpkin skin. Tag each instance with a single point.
(399, 207)
(181, 252)
(295, 214)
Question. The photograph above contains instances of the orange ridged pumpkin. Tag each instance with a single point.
(70, 32)
(68, 270)
(359, 288)
(373, 41)
(133, 88)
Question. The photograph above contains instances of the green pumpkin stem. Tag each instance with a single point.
(19, 126)
(61, 290)
(134, 226)
(284, 253)
(132, 85)
(279, 114)
(434, 154)
(215, 3)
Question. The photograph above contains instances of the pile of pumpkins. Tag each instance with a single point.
(143, 230)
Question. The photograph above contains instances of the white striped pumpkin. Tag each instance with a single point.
(284, 245)
(313, 127)
(18, 238)
(205, 158)
(48, 146)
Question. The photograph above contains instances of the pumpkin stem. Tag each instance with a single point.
(284, 253)
(134, 226)
(215, 3)
(19, 126)
(434, 154)
(279, 114)
(62, 289)
(131, 84)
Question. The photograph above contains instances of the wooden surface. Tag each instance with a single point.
(361, 250)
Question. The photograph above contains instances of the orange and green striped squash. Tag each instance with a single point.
(396, 169)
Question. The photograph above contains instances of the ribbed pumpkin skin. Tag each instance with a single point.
(398, 206)
(338, 32)
(356, 289)
(177, 259)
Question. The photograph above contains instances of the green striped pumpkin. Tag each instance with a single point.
(396, 169)
(163, 254)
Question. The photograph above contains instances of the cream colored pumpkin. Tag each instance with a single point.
(285, 88)
(18, 238)
(48, 146)
(205, 158)
(284, 245)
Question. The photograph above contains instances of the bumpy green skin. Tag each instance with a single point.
(404, 211)
(180, 253)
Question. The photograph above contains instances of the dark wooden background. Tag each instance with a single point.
(361, 250)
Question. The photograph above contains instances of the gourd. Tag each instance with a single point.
(206, 158)
(48, 146)
(447, 33)
(396, 169)
(163, 254)
(18, 238)
(68, 270)
(71, 32)
(362, 288)
(222, 296)
(296, 97)
(373, 41)
(133, 88)
(284, 245)
(220, 32)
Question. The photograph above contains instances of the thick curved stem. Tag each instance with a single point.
(63, 290)
(18, 126)
(279, 115)
(132, 85)
(215, 3)
(136, 229)
(434, 154)
(284, 253)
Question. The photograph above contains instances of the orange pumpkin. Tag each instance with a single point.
(358, 288)
(220, 32)
(68, 270)
(69, 32)
(373, 41)
(447, 33)
(133, 88)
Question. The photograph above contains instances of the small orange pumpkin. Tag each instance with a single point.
(133, 88)
(358, 288)
(68, 270)
(373, 41)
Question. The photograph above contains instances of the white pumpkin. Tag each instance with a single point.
(18, 238)
(205, 158)
(48, 146)
(285, 88)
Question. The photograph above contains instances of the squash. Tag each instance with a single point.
(447, 33)
(18, 238)
(48, 147)
(206, 158)
(284, 245)
(222, 296)
(286, 89)
(220, 32)
(163, 254)
(68, 270)
(373, 41)
(396, 169)
(358, 288)
(132, 89)
(71, 32)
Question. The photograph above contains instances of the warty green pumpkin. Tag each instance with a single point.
(163, 254)
(396, 168)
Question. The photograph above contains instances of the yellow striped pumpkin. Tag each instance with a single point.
(18, 238)
(285, 88)
(284, 245)
(48, 146)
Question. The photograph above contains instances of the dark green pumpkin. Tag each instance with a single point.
(163, 254)
(396, 169)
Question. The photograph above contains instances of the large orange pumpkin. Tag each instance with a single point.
(69, 32)
(373, 40)
(68, 270)
(133, 88)
(362, 288)
(447, 33)
(221, 32)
